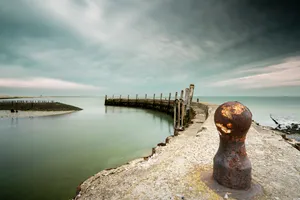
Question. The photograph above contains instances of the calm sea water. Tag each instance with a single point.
(48, 157)
(262, 107)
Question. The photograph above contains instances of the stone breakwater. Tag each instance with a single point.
(36, 106)
(175, 170)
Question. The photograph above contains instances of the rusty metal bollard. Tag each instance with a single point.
(232, 167)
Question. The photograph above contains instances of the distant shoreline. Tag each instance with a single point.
(36, 105)
(15, 97)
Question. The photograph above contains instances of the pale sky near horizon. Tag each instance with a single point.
(97, 47)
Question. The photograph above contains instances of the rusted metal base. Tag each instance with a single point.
(253, 192)
(232, 168)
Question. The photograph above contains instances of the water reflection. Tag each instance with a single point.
(44, 151)
(14, 122)
(158, 117)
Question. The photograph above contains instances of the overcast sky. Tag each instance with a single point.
(97, 47)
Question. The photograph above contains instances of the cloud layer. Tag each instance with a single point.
(44, 83)
(286, 73)
(153, 46)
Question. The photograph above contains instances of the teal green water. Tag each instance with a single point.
(262, 107)
(47, 157)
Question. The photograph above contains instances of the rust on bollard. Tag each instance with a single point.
(232, 167)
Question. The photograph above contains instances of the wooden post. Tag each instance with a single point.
(181, 94)
(175, 95)
(197, 100)
(153, 98)
(191, 93)
(169, 100)
(186, 102)
(178, 114)
(160, 100)
(186, 97)
(182, 113)
(175, 114)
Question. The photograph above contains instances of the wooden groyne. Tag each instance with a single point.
(33, 105)
(179, 107)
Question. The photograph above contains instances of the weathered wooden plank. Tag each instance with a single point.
(178, 114)
(182, 112)
(169, 100)
(192, 87)
(175, 114)
(181, 94)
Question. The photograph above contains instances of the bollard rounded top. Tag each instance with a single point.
(233, 119)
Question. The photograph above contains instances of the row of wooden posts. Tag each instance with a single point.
(181, 105)
(25, 101)
(137, 97)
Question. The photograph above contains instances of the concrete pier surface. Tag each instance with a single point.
(182, 169)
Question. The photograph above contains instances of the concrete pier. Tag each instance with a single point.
(182, 169)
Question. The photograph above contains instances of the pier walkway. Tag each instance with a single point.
(181, 168)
